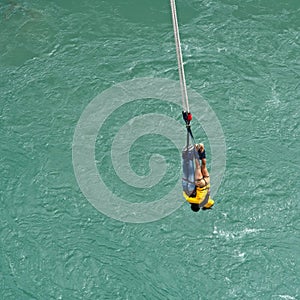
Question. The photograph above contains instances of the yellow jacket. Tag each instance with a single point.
(202, 197)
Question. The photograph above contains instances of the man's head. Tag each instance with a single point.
(195, 207)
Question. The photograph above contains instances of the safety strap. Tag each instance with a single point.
(205, 201)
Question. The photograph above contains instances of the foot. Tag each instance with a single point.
(201, 147)
(201, 151)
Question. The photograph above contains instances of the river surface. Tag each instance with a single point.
(242, 57)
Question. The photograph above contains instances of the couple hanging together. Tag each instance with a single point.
(196, 181)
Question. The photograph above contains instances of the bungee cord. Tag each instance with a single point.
(185, 102)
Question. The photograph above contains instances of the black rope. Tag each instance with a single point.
(187, 121)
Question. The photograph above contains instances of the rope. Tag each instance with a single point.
(185, 102)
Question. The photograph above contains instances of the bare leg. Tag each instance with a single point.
(203, 168)
(201, 172)
(198, 173)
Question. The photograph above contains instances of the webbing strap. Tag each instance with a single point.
(189, 132)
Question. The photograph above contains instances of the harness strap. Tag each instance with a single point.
(205, 201)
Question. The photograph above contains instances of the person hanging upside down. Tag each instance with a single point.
(201, 195)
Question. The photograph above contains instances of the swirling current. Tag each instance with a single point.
(91, 204)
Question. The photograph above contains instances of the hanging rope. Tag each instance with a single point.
(187, 116)
(185, 102)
